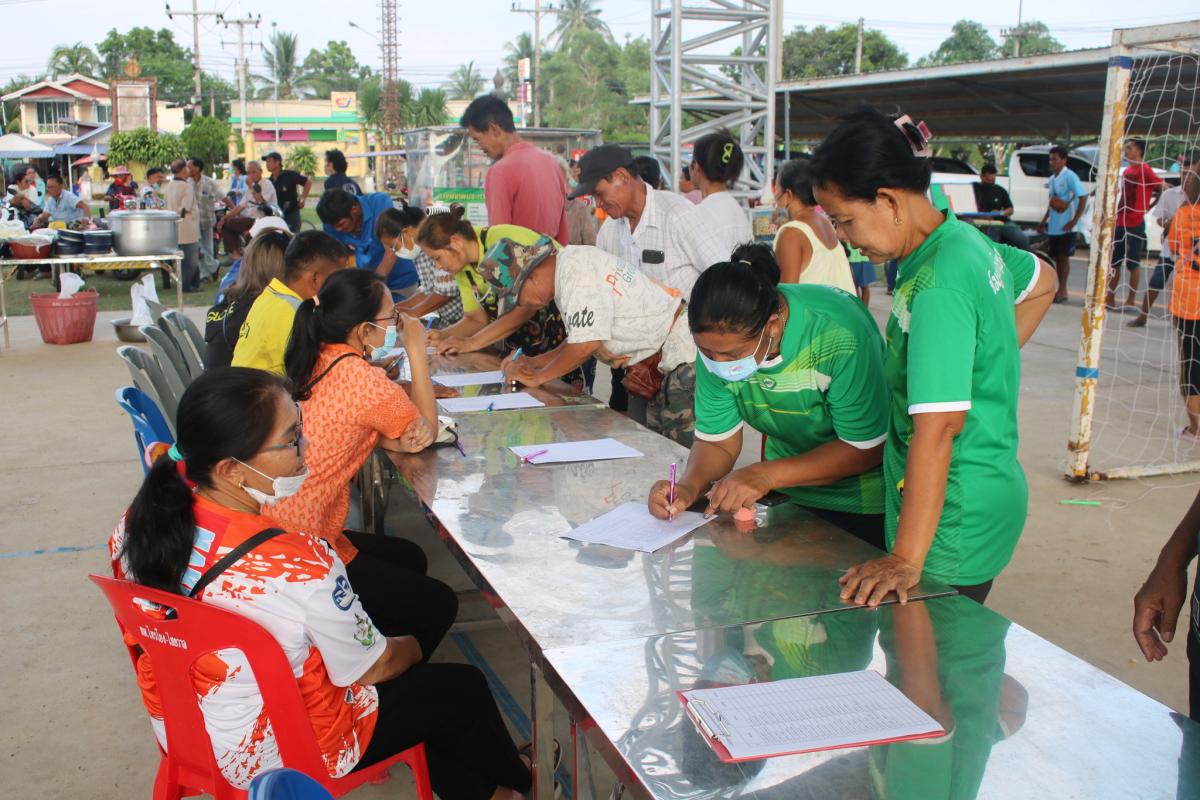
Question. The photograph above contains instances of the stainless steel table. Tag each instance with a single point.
(554, 394)
(1026, 719)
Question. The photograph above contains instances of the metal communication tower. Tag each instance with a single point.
(712, 99)
(389, 123)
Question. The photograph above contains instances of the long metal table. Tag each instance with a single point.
(1025, 719)
(554, 394)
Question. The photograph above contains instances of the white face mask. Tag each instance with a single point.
(405, 252)
(283, 486)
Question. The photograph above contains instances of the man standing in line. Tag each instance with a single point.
(207, 193)
(287, 182)
(181, 198)
(524, 186)
(1171, 201)
(1140, 187)
(1066, 207)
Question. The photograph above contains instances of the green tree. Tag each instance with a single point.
(158, 54)
(370, 102)
(734, 71)
(145, 146)
(830, 51)
(303, 159)
(335, 69)
(521, 48)
(430, 108)
(216, 94)
(590, 82)
(1035, 39)
(207, 138)
(968, 41)
(575, 17)
(284, 70)
(465, 82)
(71, 59)
(12, 108)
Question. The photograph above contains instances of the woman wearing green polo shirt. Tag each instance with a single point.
(955, 496)
(801, 363)
(456, 246)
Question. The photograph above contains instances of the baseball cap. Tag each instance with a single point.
(597, 164)
(267, 224)
(506, 265)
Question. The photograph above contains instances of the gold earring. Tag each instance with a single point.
(898, 221)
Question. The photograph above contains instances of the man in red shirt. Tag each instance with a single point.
(524, 186)
(1140, 187)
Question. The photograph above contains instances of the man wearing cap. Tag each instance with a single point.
(611, 310)
(524, 186)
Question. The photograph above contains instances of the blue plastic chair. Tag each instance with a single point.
(286, 784)
(149, 425)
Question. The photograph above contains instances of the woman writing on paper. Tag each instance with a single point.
(613, 311)
(955, 495)
(802, 364)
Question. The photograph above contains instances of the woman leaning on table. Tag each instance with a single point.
(802, 364)
(370, 696)
(457, 246)
(955, 496)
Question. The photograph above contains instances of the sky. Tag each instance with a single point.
(435, 37)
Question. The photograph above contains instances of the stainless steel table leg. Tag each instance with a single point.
(179, 283)
(581, 777)
(543, 735)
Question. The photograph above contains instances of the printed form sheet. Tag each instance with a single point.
(632, 527)
(498, 402)
(591, 450)
(469, 379)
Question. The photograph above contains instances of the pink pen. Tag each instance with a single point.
(671, 514)
(535, 455)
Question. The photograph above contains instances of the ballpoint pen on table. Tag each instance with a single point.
(671, 514)
(458, 444)
(535, 455)
(428, 324)
(516, 355)
(491, 405)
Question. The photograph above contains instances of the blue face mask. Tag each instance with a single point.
(389, 342)
(734, 371)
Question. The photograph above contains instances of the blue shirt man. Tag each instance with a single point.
(1066, 186)
(61, 205)
(351, 220)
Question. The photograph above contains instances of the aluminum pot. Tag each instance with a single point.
(144, 233)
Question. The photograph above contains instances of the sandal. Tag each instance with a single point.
(527, 750)
(1140, 322)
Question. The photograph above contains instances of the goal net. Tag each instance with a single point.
(1129, 409)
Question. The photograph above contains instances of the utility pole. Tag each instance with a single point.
(537, 12)
(198, 97)
(241, 66)
(390, 127)
(1015, 33)
(275, 81)
(858, 49)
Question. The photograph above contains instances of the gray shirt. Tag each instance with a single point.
(207, 192)
(64, 209)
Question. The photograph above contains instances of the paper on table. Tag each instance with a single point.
(399, 351)
(499, 402)
(470, 379)
(798, 715)
(591, 450)
(632, 527)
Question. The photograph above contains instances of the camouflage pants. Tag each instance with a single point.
(672, 412)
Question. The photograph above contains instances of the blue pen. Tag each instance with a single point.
(490, 406)
(428, 324)
(516, 355)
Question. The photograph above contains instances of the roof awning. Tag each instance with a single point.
(15, 145)
(376, 155)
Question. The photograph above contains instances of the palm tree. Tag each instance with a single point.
(285, 71)
(370, 102)
(575, 16)
(71, 59)
(430, 108)
(13, 107)
(521, 48)
(465, 82)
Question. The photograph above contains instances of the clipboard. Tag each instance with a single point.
(714, 734)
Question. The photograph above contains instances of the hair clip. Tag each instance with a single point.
(920, 148)
(316, 301)
(728, 153)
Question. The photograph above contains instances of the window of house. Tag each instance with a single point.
(49, 113)
(103, 112)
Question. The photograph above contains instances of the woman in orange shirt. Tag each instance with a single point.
(1184, 239)
(350, 407)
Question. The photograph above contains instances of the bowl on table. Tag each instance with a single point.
(127, 332)
(30, 248)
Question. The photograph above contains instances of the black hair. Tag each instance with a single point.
(1059, 151)
(337, 160)
(989, 169)
(795, 176)
(394, 220)
(239, 164)
(227, 412)
(54, 176)
(866, 151)
(310, 250)
(275, 155)
(347, 299)
(649, 169)
(199, 162)
(150, 173)
(719, 157)
(739, 295)
(439, 228)
(335, 206)
(1140, 144)
(486, 109)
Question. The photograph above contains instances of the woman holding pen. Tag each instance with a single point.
(802, 364)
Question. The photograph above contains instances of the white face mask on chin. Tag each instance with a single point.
(283, 486)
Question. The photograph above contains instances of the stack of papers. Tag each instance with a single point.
(469, 379)
(632, 527)
(591, 450)
(498, 402)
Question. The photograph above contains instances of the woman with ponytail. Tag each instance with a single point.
(956, 496)
(241, 448)
(437, 290)
(803, 365)
(350, 408)
(716, 165)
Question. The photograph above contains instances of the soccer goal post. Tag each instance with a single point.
(1128, 408)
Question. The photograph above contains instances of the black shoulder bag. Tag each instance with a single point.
(231, 558)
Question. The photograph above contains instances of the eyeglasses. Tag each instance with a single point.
(394, 318)
(299, 436)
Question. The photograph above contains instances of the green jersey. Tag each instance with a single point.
(826, 384)
(952, 346)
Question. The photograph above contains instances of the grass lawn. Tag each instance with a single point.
(114, 294)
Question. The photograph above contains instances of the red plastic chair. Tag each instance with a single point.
(189, 768)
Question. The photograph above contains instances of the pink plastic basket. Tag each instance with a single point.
(65, 321)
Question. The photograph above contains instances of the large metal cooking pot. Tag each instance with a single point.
(144, 233)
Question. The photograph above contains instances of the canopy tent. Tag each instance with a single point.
(24, 148)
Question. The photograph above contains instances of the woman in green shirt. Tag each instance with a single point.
(955, 496)
(456, 246)
(802, 364)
